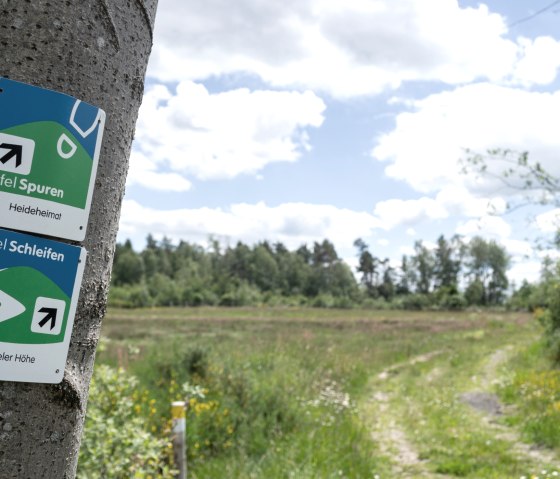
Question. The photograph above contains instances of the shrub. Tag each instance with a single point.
(173, 364)
(276, 300)
(129, 296)
(550, 319)
(376, 303)
(537, 395)
(456, 302)
(242, 295)
(164, 290)
(200, 298)
(228, 408)
(416, 302)
(237, 410)
(343, 302)
(323, 301)
(116, 443)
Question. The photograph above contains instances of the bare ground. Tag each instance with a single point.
(389, 432)
(488, 403)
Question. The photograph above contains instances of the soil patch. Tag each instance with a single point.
(482, 401)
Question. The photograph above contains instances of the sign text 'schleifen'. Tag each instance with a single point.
(39, 287)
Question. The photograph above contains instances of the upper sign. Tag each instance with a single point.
(39, 288)
(49, 149)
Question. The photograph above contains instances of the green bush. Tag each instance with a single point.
(164, 290)
(550, 319)
(116, 443)
(376, 304)
(456, 302)
(323, 301)
(242, 295)
(475, 293)
(238, 411)
(344, 302)
(535, 393)
(525, 298)
(171, 366)
(231, 408)
(276, 299)
(416, 302)
(202, 297)
(130, 296)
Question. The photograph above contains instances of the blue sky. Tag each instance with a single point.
(306, 119)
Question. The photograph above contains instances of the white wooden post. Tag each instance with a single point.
(179, 426)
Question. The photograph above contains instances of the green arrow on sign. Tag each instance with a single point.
(24, 285)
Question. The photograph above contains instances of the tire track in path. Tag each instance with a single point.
(490, 406)
(387, 430)
(390, 433)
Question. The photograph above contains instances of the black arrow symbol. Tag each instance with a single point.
(13, 150)
(50, 315)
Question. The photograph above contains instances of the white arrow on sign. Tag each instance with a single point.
(9, 307)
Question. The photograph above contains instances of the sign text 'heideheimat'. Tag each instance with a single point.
(49, 150)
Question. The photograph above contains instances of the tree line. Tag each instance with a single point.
(452, 275)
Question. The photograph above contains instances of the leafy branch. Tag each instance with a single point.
(516, 171)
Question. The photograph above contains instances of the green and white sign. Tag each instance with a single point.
(49, 150)
(39, 287)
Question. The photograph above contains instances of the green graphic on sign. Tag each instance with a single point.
(39, 288)
(60, 180)
(18, 329)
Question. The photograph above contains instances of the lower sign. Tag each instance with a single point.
(39, 286)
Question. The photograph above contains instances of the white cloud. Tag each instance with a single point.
(524, 270)
(407, 251)
(143, 172)
(551, 253)
(518, 248)
(290, 223)
(492, 227)
(397, 212)
(540, 60)
(343, 47)
(196, 133)
(458, 201)
(450, 201)
(424, 147)
(549, 222)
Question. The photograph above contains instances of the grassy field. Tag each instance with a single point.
(314, 393)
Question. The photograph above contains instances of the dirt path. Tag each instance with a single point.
(393, 442)
(487, 402)
(387, 430)
(394, 369)
(390, 432)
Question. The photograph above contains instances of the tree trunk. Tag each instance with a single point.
(96, 51)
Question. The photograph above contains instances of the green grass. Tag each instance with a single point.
(288, 392)
(452, 437)
(532, 388)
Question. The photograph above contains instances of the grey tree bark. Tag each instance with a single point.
(96, 51)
